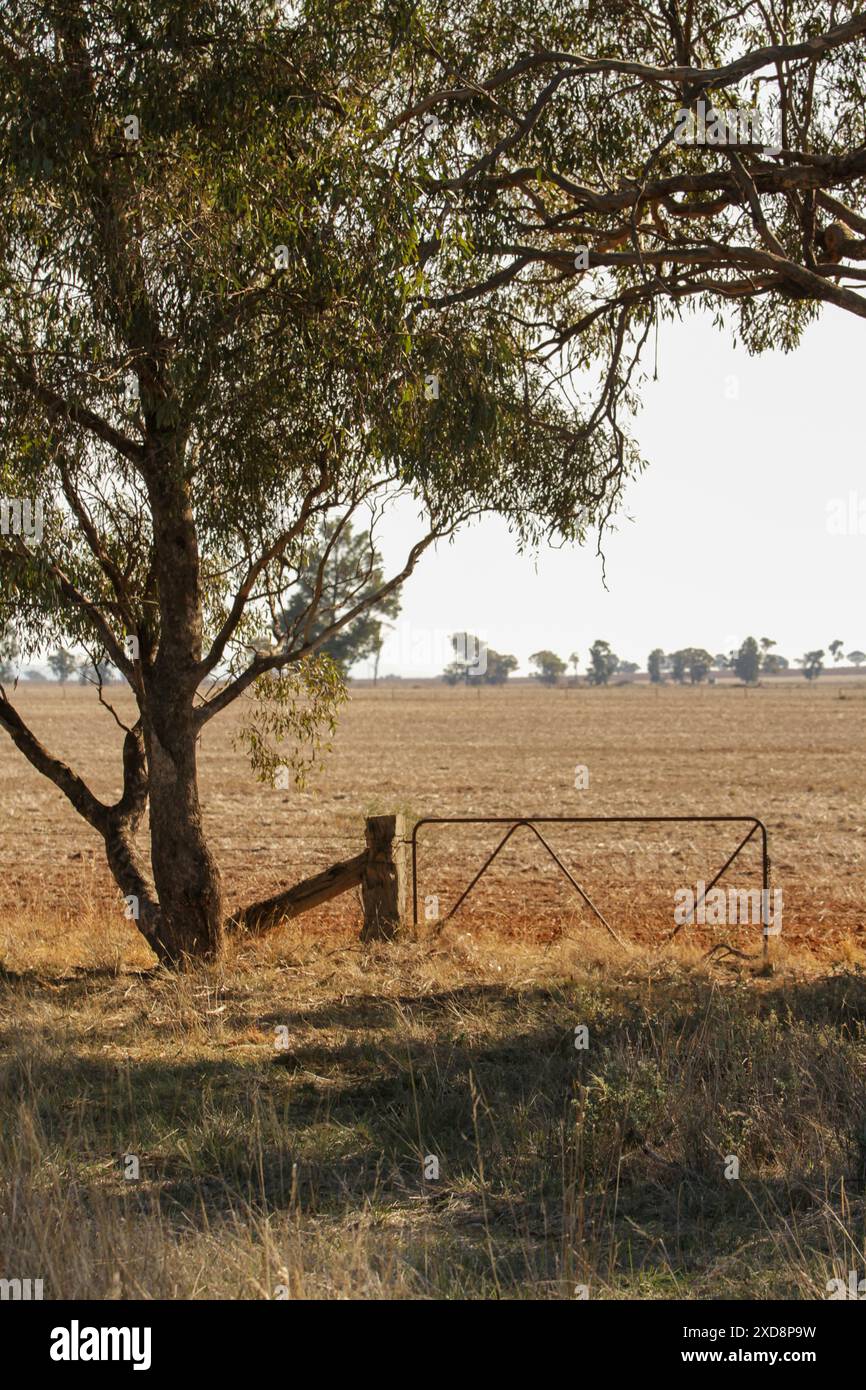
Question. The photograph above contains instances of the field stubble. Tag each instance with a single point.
(789, 754)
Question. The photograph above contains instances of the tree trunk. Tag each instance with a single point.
(185, 873)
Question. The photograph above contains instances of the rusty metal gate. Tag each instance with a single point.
(533, 822)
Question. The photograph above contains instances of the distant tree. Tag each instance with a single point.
(9, 654)
(550, 667)
(836, 649)
(574, 662)
(377, 654)
(654, 665)
(748, 662)
(678, 666)
(693, 662)
(340, 569)
(603, 663)
(63, 664)
(471, 656)
(773, 662)
(699, 663)
(35, 675)
(856, 658)
(768, 661)
(499, 667)
(813, 664)
(477, 664)
(628, 668)
(721, 662)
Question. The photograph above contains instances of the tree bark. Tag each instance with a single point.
(185, 873)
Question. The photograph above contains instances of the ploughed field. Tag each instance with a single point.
(790, 753)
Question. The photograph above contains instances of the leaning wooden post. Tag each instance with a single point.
(385, 882)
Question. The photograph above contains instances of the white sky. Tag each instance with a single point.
(726, 534)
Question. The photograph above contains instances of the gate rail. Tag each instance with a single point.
(532, 823)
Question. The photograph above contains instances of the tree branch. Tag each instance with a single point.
(277, 660)
(74, 789)
(684, 76)
(59, 407)
(236, 612)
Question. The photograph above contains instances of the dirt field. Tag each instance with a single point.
(790, 753)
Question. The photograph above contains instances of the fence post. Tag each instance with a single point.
(385, 883)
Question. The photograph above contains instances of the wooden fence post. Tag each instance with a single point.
(385, 884)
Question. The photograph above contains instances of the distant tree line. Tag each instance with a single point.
(752, 660)
(476, 665)
(92, 669)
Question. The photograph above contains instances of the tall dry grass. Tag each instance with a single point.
(300, 1171)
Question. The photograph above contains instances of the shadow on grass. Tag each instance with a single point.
(541, 1146)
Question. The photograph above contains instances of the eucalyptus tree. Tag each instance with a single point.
(265, 267)
(63, 665)
(812, 664)
(694, 662)
(603, 663)
(207, 349)
(549, 667)
(748, 663)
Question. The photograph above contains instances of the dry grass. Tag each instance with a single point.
(264, 1170)
(301, 1170)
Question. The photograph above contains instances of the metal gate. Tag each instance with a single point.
(533, 822)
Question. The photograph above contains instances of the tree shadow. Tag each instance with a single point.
(348, 1119)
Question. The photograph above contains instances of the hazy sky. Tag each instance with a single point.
(729, 532)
